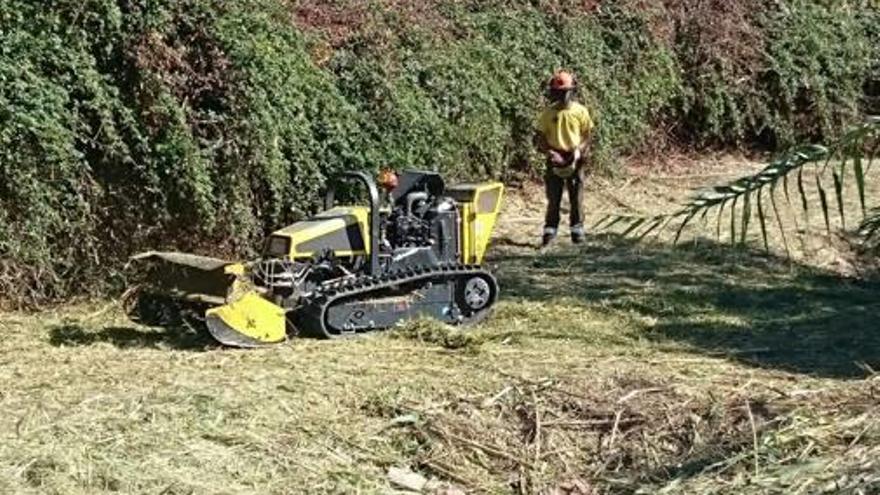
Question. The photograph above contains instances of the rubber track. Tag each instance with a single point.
(311, 321)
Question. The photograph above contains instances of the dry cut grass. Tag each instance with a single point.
(609, 368)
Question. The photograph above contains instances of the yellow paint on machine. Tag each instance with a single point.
(325, 223)
(480, 205)
(252, 317)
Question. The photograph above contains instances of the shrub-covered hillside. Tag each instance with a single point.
(197, 125)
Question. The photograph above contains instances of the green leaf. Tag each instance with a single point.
(733, 221)
(859, 172)
(823, 199)
(801, 190)
(683, 224)
(785, 189)
(762, 222)
(838, 194)
(746, 216)
(779, 222)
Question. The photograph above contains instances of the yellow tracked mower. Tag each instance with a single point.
(346, 270)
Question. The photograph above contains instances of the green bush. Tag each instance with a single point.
(775, 75)
(200, 125)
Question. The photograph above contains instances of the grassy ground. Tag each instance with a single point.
(608, 368)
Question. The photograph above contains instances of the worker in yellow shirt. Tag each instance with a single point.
(565, 130)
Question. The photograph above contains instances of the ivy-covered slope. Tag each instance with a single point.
(197, 125)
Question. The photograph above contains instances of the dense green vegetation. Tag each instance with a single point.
(199, 124)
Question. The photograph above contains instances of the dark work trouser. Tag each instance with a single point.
(554, 186)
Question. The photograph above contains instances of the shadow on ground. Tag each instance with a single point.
(164, 323)
(72, 335)
(749, 306)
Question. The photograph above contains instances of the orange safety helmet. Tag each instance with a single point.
(562, 80)
(387, 179)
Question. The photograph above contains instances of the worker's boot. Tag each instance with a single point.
(549, 235)
(577, 234)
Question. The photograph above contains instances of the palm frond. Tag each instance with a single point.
(853, 153)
